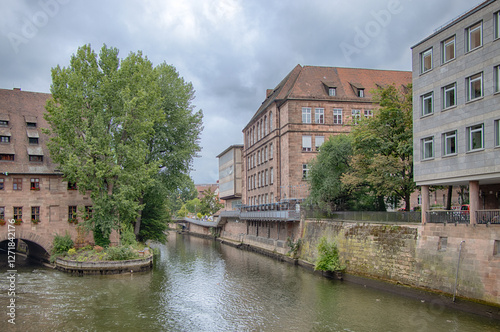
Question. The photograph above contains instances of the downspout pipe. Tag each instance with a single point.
(458, 266)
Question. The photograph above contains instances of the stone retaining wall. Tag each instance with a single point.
(105, 267)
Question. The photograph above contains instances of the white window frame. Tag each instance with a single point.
(305, 171)
(361, 93)
(265, 154)
(271, 171)
(496, 25)
(337, 116)
(319, 115)
(306, 143)
(496, 77)
(368, 113)
(448, 138)
(271, 121)
(271, 151)
(497, 133)
(266, 177)
(450, 88)
(471, 131)
(469, 31)
(427, 144)
(471, 80)
(332, 92)
(356, 115)
(306, 115)
(265, 125)
(424, 99)
(320, 140)
(445, 44)
(427, 54)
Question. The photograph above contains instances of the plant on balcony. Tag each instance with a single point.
(2, 222)
(18, 222)
(73, 221)
(35, 221)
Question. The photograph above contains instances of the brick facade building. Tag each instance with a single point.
(307, 107)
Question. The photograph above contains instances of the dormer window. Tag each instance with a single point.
(4, 123)
(4, 139)
(332, 92)
(31, 124)
(33, 140)
(361, 93)
(4, 120)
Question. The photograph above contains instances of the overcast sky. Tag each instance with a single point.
(231, 50)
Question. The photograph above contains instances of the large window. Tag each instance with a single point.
(337, 116)
(72, 212)
(271, 180)
(18, 213)
(306, 143)
(449, 96)
(265, 126)
(17, 184)
(496, 24)
(368, 113)
(474, 35)
(427, 103)
(450, 143)
(271, 151)
(475, 137)
(319, 115)
(270, 121)
(426, 60)
(306, 115)
(428, 148)
(474, 86)
(496, 77)
(448, 47)
(318, 141)
(497, 132)
(35, 213)
(35, 184)
(356, 114)
(305, 171)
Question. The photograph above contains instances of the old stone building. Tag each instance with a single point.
(307, 107)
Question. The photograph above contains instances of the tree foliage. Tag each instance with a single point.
(210, 203)
(115, 125)
(383, 147)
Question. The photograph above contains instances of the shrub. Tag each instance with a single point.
(62, 244)
(328, 256)
(98, 248)
(99, 238)
(127, 236)
(120, 253)
(72, 251)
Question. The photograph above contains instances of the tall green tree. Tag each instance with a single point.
(383, 147)
(210, 202)
(109, 120)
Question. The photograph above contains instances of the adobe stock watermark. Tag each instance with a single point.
(11, 272)
(32, 24)
(363, 37)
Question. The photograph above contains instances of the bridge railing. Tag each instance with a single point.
(488, 217)
(448, 216)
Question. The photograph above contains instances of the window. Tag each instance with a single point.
(474, 36)
(443, 243)
(474, 86)
(361, 93)
(271, 171)
(18, 213)
(319, 140)
(496, 24)
(306, 115)
(4, 139)
(270, 121)
(426, 61)
(427, 104)
(368, 113)
(496, 74)
(305, 171)
(450, 143)
(4, 123)
(71, 212)
(265, 125)
(31, 124)
(267, 177)
(271, 152)
(71, 185)
(319, 116)
(36, 158)
(33, 140)
(332, 92)
(475, 138)
(497, 138)
(356, 114)
(265, 153)
(428, 148)
(449, 96)
(306, 143)
(35, 213)
(17, 184)
(7, 157)
(2, 212)
(448, 47)
(2, 183)
(35, 184)
(337, 116)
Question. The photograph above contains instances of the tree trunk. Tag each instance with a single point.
(137, 227)
(450, 193)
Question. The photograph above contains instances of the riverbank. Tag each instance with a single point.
(104, 267)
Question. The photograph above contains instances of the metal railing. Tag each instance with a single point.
(368, 216)
(448, 216)
(488, 217)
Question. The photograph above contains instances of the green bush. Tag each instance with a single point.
(120, 253)
(328, 256)
(62, 244)
(99, 238)
(127, 236)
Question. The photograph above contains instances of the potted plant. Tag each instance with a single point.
(35, 221)
(73, 221)
(2, 222)
(18, 222)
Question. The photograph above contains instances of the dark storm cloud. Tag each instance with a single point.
(231, 50)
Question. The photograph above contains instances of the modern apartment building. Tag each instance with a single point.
(456, 109)
(230, 183)
(307, 107)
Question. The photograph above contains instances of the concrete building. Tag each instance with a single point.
(456, 112)
(230, 170)
(307, 107)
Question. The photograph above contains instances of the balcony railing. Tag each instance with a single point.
(452, 217)
(488, 217)
(286, 215)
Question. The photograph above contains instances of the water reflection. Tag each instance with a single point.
(200, 285)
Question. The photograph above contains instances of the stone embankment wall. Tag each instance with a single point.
(423, 256)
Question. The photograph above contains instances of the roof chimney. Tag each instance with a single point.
(17, 89)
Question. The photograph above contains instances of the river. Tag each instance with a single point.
(202, 285)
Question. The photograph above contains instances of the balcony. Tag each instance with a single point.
(449, 217)
(488, 217)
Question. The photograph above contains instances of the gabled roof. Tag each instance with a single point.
(312, 82)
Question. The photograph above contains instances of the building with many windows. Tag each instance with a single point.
(456, 109)
(307, 107)
(230, 176)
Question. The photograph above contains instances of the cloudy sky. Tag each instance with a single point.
(231, 50)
